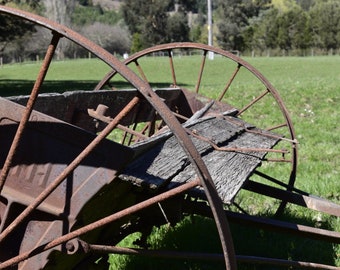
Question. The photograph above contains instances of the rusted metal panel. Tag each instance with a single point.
(46, 148)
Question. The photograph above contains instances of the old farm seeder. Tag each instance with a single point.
(69, 194)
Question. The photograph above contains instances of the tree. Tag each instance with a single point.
(33, 4)
(233, 19)
(112, 38)
(177, 27)
(266, 30)
(301, 36)
(149, 20)
(87, 14)
(12, 28)
(325, 24)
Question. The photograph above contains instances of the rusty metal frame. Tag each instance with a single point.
(146, 91)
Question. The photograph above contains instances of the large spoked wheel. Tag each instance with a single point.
(38, 210)
(219, 75)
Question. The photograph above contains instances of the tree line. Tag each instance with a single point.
(261, 27)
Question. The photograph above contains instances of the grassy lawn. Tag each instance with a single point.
(310, 89)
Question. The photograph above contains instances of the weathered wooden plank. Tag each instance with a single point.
(166, 161)
(229, 170)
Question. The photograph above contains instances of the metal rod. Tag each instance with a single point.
(69, 169)
(172, 68)
(230, 82)
(201, 256)
(108, 119)
(271, 261)
(315, 203)
(235, 149)
(276, 127)
(140, 70)
(152, 253)
(29, 107)
(201, 71)
(253, 102)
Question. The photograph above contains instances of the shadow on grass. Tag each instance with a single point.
(199, 234)
(24, 87)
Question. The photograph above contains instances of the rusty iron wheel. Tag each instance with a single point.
(53, 233)
(224, 77)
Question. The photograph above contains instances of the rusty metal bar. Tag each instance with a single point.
(173, 74)
(314, 203)
(29, 107)
(230, 82)
(253, 102)
(151, 253)
(201, 71)
(108, 120)
(201, 256)
(270, 135)
(140, 70)
(234, 149)
(97, 224)
(286, 227)
(278, 160)
(182, 117)
(265, 223)
(287, 263)
(30, 208)
(131, 136)
(134, 128)
(276, 127)
(132, 132)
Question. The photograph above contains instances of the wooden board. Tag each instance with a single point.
(166, 162)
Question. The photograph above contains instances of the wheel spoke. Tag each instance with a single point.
(140, 70)
(172, 68)
(230, 82)
(255, 100)
(29, 107)
(204, 56)
(276, 127)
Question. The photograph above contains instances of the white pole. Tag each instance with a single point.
(210, 30)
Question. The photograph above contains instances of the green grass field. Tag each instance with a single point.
(310, 89)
